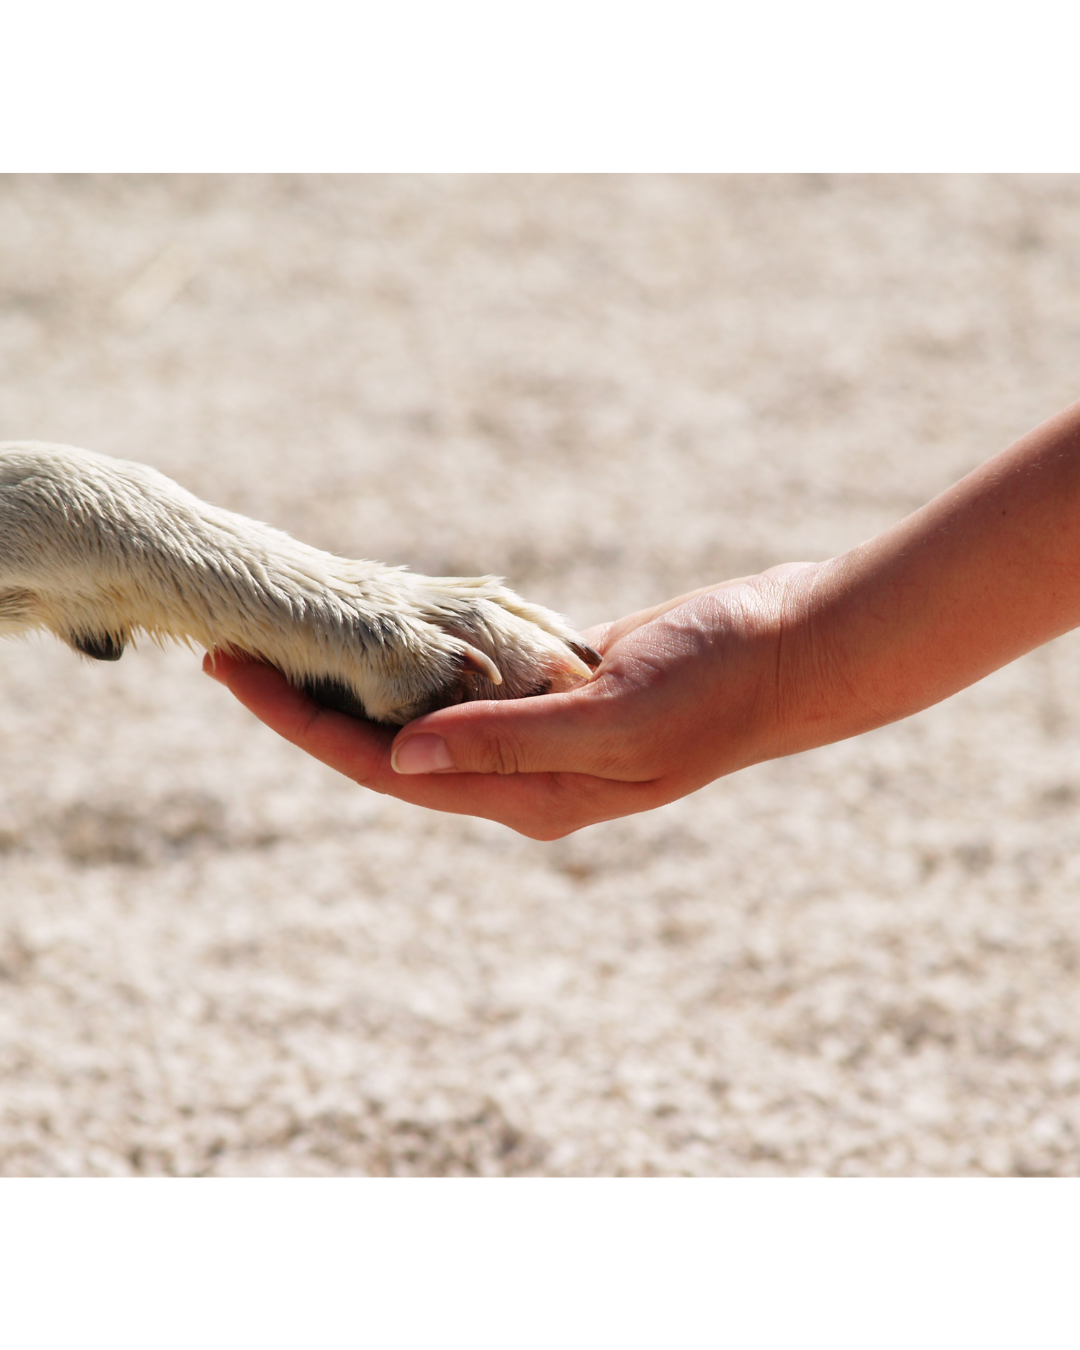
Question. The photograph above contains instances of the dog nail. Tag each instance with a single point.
(589, 655)
(481, 664)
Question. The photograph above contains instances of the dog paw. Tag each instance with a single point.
(420, 643)
(97, 550)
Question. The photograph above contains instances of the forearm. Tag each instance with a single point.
(982, 574)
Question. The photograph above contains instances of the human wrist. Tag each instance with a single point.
(776, 692)
(822, 690)
(861, 647)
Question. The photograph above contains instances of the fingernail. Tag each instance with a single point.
(421, 754)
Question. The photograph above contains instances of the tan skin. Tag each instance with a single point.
(708, 683)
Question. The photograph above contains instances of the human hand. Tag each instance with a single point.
(799, 656)
(688, 691)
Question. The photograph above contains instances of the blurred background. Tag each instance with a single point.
(219, 957)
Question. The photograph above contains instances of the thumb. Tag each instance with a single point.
(553, 733)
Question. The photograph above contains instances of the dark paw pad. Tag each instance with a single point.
(332, 694)
(102, 647)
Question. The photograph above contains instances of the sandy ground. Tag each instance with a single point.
(217, 957)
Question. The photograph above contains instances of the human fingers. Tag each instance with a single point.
(359, 749)
(581, 731)
(574, 732)
(687, 693)
(514, 737)
(541, 805)
(605, 635)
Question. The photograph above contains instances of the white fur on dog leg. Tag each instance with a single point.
(96, 550)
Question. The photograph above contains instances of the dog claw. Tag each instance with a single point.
(476, 662)
(589, 655)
